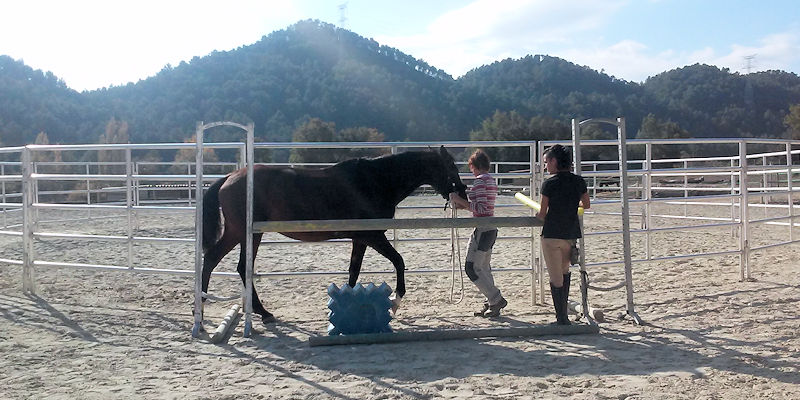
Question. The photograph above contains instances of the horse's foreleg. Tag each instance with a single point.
(258, 308)
(356, 258)
(384, 248)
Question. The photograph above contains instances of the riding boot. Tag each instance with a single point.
(565, 296)
(559, 304)
(482, 311)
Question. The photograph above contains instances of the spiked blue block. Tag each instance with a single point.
(363, 309)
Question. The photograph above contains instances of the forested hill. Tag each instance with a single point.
(315, 70)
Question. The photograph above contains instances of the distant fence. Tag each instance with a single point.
(754, 185)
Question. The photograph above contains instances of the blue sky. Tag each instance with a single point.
(97, 43)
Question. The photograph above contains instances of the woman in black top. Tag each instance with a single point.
(562, 193)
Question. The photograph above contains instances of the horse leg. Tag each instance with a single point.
(211, 259)
(213, 256)
(258, 308)
(356, 257)
(384, 248)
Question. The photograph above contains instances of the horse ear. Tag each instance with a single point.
(443, 152)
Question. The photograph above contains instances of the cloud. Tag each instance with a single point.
(486, 30)
(634, 61)
(777, 51)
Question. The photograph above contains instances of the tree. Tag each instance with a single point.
(792, 121)
(654, 128)
(49, 156)
(116, 132)
(184, 156)
(315, 130)
(360, 134)
(511, 126)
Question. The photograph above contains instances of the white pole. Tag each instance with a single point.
(789, 187)
(129, 203)
(28, 221)
(5, 209)
(541, 267)
(648, 193)
(626, 228)
(198, 231)
(88, 193)
(576, 160)
(744, 245)
(248, 305)
(534, 265)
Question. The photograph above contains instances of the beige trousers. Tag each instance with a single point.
(556, 254)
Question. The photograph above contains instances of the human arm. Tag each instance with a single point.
(585, 202)
(458, 202)
(544, 204)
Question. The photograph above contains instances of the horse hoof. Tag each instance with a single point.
(395, 304)
(268, 319)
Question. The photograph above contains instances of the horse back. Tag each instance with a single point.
(342, 191)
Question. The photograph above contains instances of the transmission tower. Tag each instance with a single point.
(748, 86)
(749, 62)
(342, 15)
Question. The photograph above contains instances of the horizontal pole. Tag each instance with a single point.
(381, 224)
(11, 178)
(452, 334)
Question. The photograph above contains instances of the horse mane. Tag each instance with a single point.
(399, 174)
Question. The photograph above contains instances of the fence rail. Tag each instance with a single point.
(739, 182)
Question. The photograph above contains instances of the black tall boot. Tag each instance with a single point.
(559, 304)
(565, 295)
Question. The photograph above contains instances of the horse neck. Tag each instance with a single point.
(403, 173)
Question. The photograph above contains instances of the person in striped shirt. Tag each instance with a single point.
(479, 251)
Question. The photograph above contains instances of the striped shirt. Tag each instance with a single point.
(482, 196)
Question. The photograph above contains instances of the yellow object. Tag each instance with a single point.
(535, 205)
(528, 201)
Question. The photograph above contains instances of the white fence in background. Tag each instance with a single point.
(753, 184)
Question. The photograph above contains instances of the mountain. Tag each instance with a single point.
(316, 70)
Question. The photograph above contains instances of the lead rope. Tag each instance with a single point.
(455, 261)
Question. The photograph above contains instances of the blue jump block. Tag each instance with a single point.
(363, 309)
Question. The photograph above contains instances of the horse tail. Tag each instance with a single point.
(211, 219)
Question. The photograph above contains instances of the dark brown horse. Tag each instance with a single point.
(353, 189)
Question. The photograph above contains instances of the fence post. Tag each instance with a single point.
(534, 265)
(5, 208)
(648, 194)
(789, 187)
(198, 226)
(28, 256)
(129, 203)
(744, 245)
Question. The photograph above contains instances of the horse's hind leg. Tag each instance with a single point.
(258, 308)
(356, 258)
(213, 256)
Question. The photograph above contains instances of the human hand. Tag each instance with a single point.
(457, 202)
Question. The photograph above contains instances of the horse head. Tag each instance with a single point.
(449, 181)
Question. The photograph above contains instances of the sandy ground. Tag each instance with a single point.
(105, 334)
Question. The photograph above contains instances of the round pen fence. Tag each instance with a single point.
(134, 199)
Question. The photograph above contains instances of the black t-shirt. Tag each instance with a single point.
(564, 191)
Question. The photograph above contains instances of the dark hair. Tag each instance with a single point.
(480, 160)
(562, 156)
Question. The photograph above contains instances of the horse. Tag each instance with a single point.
(358, 188)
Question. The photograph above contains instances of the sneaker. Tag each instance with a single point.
(481, 312)
(494, 311)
